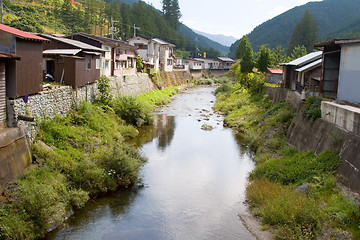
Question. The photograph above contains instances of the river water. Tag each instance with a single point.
(193, 183)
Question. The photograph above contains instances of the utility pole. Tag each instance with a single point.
(196, 47)
(112, 27)
(135, 28)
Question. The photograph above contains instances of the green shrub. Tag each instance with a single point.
(104, 89)
(312, 108)
(224, 88)
(132, 110)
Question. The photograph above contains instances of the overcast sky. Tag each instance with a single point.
(230, 17)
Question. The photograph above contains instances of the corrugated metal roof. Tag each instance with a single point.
(106, 40)
(336, 42)
(21, 34)
(62, 51)
(309, 66)
(305, 59)
(162, 42)
(74, 43)
(276, 70)
(224, 59)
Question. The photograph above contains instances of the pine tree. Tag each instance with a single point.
(247, 61)
(263, 58)
(298, 52)
(305, 33)
(171, 12)
(241, 47)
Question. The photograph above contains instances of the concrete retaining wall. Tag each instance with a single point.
(323, 135)
(15, 155)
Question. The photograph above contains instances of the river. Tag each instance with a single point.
(193, 183)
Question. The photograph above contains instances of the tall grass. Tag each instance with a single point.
(293, 214)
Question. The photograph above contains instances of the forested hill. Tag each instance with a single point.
(336, 19)
(95, 16)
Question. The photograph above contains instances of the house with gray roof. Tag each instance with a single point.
(71, 62)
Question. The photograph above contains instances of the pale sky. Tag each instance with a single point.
(230, 17)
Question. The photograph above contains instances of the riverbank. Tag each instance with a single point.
(294, 193)
(77, 157)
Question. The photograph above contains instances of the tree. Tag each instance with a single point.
(240, 48)
(263, 58)
(306, 33)
(171, 12)
(247, 56)
(278, 56)
(298, 52)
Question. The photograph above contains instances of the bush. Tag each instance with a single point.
(224, 88)
(132, 110)
(312, 108)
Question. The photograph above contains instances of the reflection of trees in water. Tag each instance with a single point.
(243, 148)
(163, 129)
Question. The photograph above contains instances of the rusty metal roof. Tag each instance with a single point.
(276, 70)
(337, 42)
(20, 34)
(9, 56)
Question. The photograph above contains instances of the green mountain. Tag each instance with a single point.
(202, 41)
(336, 18)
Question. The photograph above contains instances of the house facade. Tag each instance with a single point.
(195, 65)
(71, 62)
(148, 50)
(23, 77)
(118, 58)
(294, 72)
(166, 55)
(225, 63)
(341, 72)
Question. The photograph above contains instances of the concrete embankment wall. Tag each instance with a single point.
(322, 135)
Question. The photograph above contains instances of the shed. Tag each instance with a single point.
(23, 77)
(71, 62)
(340, 72)
(274, 75)
(290, 75)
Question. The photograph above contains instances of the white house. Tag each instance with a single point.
(166, 55)
(195, 64)
(148, 50)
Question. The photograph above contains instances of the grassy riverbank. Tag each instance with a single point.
(294, 193)
(77, 156)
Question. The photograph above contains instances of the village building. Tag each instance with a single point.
(303, 73)
(24, 75)
(71, 62)
(341, 71)
(274, 75)
(209, 64)
(118, 58)
(195, 65)
(166, 55)
(149, 51)
(181, 64)
(225, 63)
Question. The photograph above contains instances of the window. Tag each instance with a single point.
(88, 63)
(117, 64)
(106, 64)
(129, 63)
(98, 63)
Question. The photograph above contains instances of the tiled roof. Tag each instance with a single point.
(21, 34)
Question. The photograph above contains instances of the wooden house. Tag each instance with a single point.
(340, 69)
(302, 73)
(119, 57)
(225, 63)
(71, 62)
(24, 75)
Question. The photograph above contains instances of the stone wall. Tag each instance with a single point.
(322, 135)
(131, 84)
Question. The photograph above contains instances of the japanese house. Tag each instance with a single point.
(119, 57)
(71, 62)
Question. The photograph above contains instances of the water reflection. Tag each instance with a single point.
(163, 130)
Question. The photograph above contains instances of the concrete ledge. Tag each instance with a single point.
(344, 116)
(15, 155)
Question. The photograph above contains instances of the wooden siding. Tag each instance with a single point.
(28, 70)
(2, 95)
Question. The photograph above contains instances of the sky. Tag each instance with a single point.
(230, 17)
